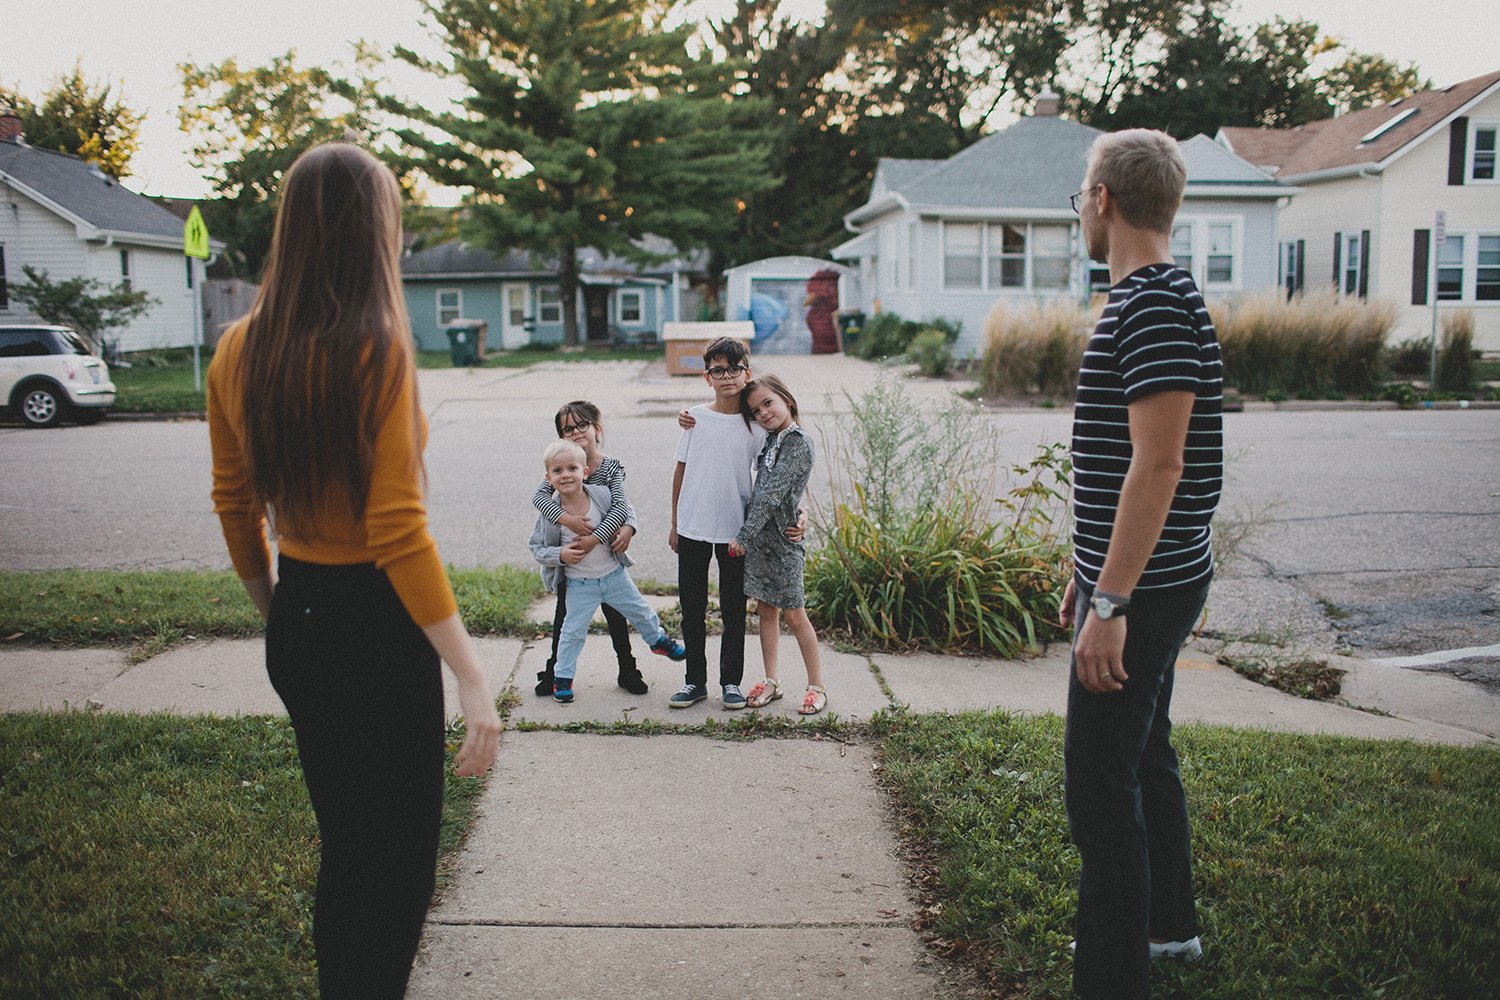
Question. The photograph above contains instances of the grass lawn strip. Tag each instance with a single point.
(1325, 866)
(162, 856)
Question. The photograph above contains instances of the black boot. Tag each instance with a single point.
(544, 682)
(631, 680)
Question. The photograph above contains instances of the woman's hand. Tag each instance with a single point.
(481, 729)
(796, 531)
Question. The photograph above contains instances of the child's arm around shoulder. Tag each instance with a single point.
(620, 512)
(547, 504)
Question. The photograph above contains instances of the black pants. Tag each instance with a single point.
(362, 686)
(1126, 805)
(619, 634)
(692, 593)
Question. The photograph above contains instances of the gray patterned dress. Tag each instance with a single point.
(773, 564)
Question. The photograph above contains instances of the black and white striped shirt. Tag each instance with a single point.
(1155, 335)
(611, 473)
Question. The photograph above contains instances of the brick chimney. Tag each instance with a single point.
(1048, 104)
(10, 127)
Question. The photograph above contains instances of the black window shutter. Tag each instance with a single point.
(1301, 259)
(4, 288)
(1458, 149)
(1338, 260)
(1364, 263)
(1420, 242)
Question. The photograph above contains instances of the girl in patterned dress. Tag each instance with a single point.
(773, 564)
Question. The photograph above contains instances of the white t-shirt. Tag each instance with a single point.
(600, 561)
(720, 452)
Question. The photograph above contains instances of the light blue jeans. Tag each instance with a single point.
(584, 597)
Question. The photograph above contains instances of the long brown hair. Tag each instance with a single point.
(328, 343)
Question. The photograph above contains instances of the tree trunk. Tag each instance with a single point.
(568, 292)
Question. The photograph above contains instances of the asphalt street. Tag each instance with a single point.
(1372, 529)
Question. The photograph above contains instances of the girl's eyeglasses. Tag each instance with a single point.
(722, 373)
(572, 429)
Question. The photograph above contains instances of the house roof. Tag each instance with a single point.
(1034, 165)
(458, 259)
(77, 189)
(1336, 142)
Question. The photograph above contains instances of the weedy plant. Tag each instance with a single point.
(933, 541)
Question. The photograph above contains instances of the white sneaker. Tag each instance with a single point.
(1188, 951)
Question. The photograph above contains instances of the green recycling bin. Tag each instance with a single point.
(464, 343)
(850, 324)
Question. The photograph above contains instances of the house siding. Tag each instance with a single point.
(34, 235)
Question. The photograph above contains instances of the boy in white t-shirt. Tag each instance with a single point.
(710, 488)
(595, 574)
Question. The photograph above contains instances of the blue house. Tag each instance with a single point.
(519, 295)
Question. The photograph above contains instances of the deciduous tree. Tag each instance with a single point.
(84, 304)
(85, 119)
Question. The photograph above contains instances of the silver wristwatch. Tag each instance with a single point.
(1107, 606)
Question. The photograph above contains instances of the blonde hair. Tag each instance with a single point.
(1145, 174)
(562, 446)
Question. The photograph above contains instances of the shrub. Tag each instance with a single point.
(1312, 343)
(919, 554)
(931, 353)
(1455, 360)
(1410, 357)
(887, 335)
(1036, 347)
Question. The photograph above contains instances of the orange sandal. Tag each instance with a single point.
(763, 693)
(814, 701)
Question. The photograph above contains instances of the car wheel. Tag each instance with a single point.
(41, 406)
(90, 415)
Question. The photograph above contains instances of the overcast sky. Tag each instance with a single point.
(137, 44)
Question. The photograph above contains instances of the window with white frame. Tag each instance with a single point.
(1007, 255)
(1349, 268)
(911, 257)
(450, 305)
(1292, 266)
(631, 309)
(1209, 249)
(548, 304)
(1482, 147)
(963, 255)
(1468, 268)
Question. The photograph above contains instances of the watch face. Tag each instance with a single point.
(1103, 608)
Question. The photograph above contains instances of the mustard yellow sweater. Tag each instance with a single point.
(393, 534)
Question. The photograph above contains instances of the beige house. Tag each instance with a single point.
(1371, 185)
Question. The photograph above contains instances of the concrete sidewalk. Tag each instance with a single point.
(679, 866)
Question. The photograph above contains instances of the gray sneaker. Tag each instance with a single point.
(690, 694)
(733, 699)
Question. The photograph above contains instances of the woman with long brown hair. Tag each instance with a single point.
(314, 422)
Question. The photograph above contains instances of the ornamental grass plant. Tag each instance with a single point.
(933, 541)
(1313, 343)
(1035, 348)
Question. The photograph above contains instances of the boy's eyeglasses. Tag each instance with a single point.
(722, 373)
(572, 429)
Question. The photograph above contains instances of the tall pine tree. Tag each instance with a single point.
(583, 124)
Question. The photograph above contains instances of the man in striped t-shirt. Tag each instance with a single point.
(1147, 467)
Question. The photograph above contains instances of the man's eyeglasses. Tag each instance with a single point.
(572, 429)
(1076, 200)
(721, 373)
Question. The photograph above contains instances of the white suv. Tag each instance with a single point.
(47, 375)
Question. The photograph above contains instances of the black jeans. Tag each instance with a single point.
(619, 634)
(362, 686)
(692, 593)
(1126, 805)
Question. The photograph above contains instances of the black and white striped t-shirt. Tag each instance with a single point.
(1155, 335)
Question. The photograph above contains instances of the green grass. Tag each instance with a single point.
(159, 382)
(525, 357)
(1325, 867)
(160, 607)
(159, 856)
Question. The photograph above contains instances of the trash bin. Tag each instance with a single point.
(850, 325)
(466, 341)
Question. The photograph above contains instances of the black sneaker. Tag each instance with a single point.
(632, 681)
(544, 684)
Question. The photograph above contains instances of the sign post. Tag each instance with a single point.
(194, 249)
(1439, 237)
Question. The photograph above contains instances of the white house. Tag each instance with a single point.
(1373, 183)
(951, 238)
(64, 216)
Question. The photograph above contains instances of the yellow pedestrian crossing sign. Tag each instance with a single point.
(195, 235)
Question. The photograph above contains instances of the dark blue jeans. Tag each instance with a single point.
(1126, 806)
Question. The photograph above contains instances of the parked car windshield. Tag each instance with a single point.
(71, 343)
